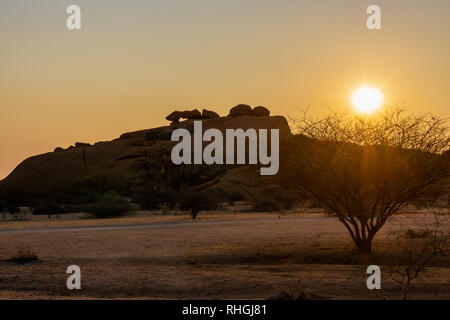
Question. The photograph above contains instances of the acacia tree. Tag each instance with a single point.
(366, 168)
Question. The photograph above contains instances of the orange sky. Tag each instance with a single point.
(134, 62)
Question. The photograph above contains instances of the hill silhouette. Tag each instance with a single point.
(137, 159)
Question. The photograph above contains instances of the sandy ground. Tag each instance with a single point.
(228, 256)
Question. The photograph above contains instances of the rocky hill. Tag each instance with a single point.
(140, 158)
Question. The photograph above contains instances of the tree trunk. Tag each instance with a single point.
(405, 289)
(364, 245)
(194, 213)
(361, 237)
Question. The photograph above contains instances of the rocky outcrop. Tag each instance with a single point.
(193, 114)
(174, 116)
(177, 115)
(237, 111)
(119, 164)
(208, 114)
(82, 144)
(245, 110)
(260, 111)
(241, 110)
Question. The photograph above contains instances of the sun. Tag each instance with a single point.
(367, 99)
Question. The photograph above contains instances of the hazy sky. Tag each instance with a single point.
(135, 61)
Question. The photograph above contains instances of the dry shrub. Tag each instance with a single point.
(419, 247)
(417, 233)
(23, 256)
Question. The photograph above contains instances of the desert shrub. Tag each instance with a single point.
(23, 255)
(419, 247)
(417, 233)
(110, 204)
(196, 201)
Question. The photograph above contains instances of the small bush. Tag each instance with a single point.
(110, 204)
(23, 256)
(417, 233)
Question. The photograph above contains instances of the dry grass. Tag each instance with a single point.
(221, 256)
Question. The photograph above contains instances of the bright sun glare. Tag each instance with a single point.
(367, 99)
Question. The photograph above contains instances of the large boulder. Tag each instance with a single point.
(208, 114)
(188, 114)
(241, 110)
(174, 116)
(261, 111)
(193, 114)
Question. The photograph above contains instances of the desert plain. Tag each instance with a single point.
(220, 255)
